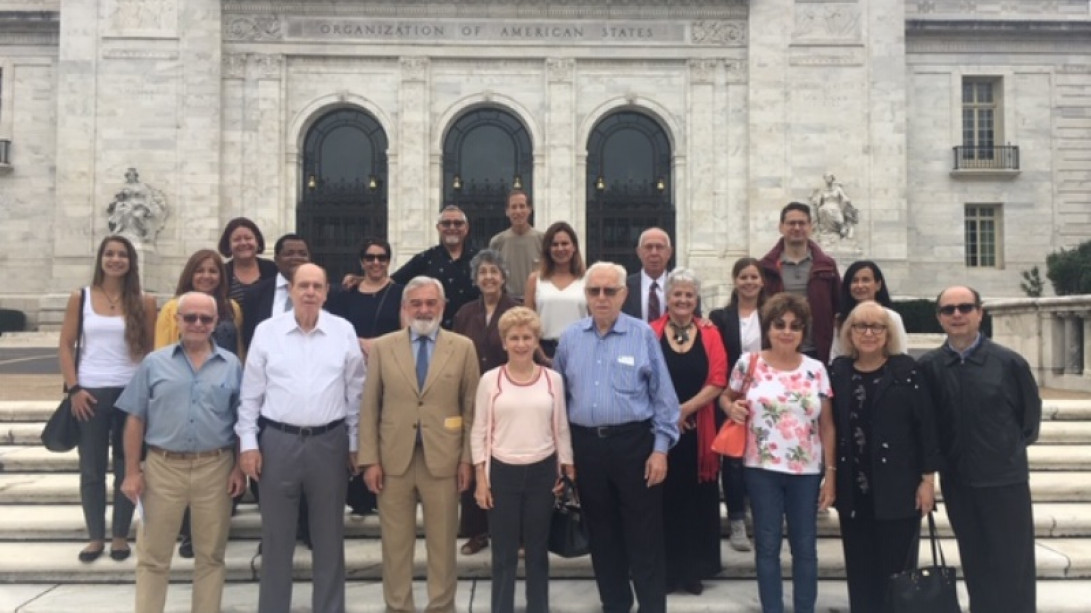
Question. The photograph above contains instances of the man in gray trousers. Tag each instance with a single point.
(298, 434)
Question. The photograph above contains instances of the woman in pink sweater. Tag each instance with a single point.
(520, 445)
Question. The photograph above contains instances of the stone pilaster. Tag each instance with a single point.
(564, 198)
(415, 202)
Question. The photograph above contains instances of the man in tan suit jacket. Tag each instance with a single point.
(415, 442)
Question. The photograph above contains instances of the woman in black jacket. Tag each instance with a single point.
(740, 329)
(887, 454)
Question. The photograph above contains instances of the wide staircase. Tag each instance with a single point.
(41, 531)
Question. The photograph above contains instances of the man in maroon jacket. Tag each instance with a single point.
(796, 264)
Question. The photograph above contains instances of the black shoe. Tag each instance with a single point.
(90, 555)
(120, 554)
(693, 586)
(186, 548)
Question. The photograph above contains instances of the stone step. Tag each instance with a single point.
(55, 562)
(1078, 409)
(64, 522)
(566, 596)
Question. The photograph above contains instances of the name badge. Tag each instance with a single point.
(453, 423)
(627, 360)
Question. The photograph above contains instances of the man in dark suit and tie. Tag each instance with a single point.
(270, 296)
(645, 299)
(415, 420)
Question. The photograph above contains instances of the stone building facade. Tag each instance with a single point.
(958, 132)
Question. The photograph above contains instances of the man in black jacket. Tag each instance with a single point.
(987, 412)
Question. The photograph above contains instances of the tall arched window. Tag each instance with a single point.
(628, 186)
(487, 152)
(343, 196)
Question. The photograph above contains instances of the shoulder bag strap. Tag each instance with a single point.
(79, 331)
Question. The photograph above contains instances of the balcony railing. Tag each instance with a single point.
(987, 158)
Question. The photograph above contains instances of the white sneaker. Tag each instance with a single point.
(738, 539)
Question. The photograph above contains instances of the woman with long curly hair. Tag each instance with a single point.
(118, 327)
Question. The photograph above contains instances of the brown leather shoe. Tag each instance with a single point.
(475, 544)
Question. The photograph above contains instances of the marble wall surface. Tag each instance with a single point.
(211, 100)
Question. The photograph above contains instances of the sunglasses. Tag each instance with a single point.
(376, 257)
(864, 328)
(452, 223)
(609, 292)
(780, 324)
(192, 318)
(965, 308)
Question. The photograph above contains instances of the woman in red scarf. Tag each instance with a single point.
(695, 357)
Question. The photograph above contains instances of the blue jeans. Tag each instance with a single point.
(773, 497)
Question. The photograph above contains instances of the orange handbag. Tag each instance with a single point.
(730, 441)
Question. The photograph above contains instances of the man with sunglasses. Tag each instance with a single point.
(448, 262)
(182, 403)
(987, 411)
(623, 412)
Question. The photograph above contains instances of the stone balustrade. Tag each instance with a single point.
(1051, 334)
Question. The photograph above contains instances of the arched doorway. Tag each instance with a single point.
(487, 152)
(343, 197)
(629, 186)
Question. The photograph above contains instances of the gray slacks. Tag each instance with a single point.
(315, 466)
(97, 435)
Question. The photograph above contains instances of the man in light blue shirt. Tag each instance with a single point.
(624, 415)
(182, 402)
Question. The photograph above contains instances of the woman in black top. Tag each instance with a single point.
(740, 328)
(373, 306)
(887, 454)
(242, 242)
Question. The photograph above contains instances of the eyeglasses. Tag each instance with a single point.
(192, 318)
(865, 328)
(780, 324)
(452, 223)
(609, 292)
(376, 257)
(949, 309)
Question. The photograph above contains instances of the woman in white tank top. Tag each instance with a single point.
(118, 327)
(555, 290)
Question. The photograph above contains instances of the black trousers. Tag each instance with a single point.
(522, 497)
(624, 516)
(994, 527)
(875, 550)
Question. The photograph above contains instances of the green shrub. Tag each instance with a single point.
(12, 321)
(1069, 270)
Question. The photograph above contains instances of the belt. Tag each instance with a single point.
(189, 455)
(616, 429)
(300, 430)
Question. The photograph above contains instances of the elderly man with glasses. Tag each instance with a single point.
(182, 402)
(448, 262)
(987, 412)
(624, 414)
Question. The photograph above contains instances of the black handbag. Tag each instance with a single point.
(930, 589)
(62, 432)
(568, 528)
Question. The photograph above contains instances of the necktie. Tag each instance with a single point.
(653, 302)
(287, 301)
(422, 362)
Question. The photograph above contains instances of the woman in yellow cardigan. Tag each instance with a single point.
(204, 272)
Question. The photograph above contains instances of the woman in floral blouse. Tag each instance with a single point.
(789, 449)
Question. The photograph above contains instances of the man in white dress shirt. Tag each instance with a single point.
(302, 383)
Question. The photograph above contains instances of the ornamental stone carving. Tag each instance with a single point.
(144, 15)
(833, 22)
(724, 33)
(234, 66)
(266, 66)
(139, 211)
(414, 68)
(703, 71)
(257, 28)
(835, 216)
(560, 69)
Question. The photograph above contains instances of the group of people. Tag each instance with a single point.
(475, 383)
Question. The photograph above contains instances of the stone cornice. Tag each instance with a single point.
(29, 28)
(572, 9)
(979, 27)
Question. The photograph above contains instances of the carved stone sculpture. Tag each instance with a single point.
(139, 211)
(835, 216)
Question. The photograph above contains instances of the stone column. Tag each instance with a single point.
(560, 196)
(413, 207)
(264, 197)
(700, 221)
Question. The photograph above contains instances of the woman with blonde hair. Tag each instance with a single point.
(118, 323)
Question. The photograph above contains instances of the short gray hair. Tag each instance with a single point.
(195, 294)
(488, 256)
(644, 235)
(422, 281)
(682, 275)
(617, 269)
(449, 209)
